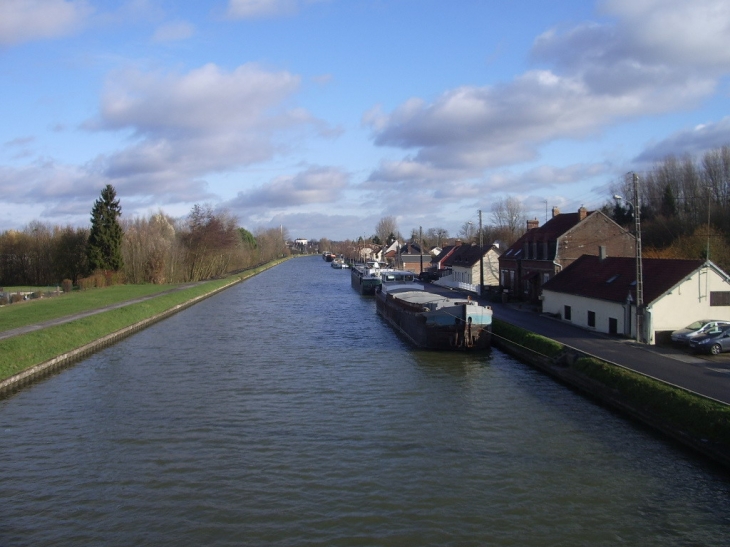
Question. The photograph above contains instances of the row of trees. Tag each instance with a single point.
(155, 249)
(685, 207)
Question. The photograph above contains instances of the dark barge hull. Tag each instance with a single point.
(363, 285)
(422, 332)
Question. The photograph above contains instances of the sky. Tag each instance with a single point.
(324, 116)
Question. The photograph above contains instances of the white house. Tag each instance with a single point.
(599, 293)
(467, 269)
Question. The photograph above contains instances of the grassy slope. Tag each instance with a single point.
(36, 311)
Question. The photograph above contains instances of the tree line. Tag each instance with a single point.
(153, 249)
(684, 207)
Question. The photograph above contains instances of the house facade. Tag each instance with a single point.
(544, 251)
(467, 267)
(413, 258)
(599, 293)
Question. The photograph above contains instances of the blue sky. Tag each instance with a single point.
(326, 115)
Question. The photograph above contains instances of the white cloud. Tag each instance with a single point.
(252, 9)
(186, 126)
(247, 9)
(677, 32)
(174, 31)
(313, 186)
(26, 20)
(601, 74)
(694, 141)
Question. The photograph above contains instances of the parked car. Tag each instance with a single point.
(698, 328)
(715, 341)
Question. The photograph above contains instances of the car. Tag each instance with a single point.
(427, 275)
(698, 328)
(715, 341)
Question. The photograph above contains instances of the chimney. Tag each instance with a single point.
(556, 212)
(533, 224)
(582, 213)
(602, 253)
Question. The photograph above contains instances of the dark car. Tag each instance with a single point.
(698, 328)
(428, 276)
(714, 341)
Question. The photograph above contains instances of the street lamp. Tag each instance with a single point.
(639, 266)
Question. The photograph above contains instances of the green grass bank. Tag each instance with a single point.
(697, 422)
(26, 357)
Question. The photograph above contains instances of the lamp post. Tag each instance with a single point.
(636, 206)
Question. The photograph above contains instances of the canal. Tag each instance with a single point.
(284, 411)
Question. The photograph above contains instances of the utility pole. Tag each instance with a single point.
(707, 255)
(639, 266)
(481, 256)
(420, 245)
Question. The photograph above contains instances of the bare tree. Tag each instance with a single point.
(508, 216)
(467, 231)
(386, 228)
(437, 236)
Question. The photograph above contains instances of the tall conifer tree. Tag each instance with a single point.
(104, 250)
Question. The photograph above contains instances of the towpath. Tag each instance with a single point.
(68, 318)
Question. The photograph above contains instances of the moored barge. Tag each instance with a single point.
(431, 320)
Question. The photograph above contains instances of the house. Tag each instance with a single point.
(468, 268)
(599, 293)
(414, 258)
(439, 262)
(545, 250)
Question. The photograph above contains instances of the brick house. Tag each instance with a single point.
(414, 259)
(544, 251)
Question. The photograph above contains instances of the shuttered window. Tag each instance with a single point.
(720, 298)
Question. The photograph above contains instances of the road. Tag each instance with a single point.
(706, 375)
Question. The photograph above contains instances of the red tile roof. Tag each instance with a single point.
(614, 278)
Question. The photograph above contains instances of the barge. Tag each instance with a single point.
(430, 320)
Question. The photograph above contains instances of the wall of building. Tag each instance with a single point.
(554, 303)
(690, 301)
(586, 237)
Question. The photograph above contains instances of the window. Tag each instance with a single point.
(591, 319)
(720, 298)
(567, 313)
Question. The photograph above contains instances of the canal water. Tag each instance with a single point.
(284, 411)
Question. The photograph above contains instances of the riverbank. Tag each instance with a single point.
(698, 422)
(27, 357)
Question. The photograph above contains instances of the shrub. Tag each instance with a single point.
(67, 285)
(16, 297)
(679, 408)
(540, 344)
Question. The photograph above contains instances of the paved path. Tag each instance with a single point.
(706, 375)
(68, 318)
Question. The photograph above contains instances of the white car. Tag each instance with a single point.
(698, 328)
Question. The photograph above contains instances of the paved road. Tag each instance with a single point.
(707, 375)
